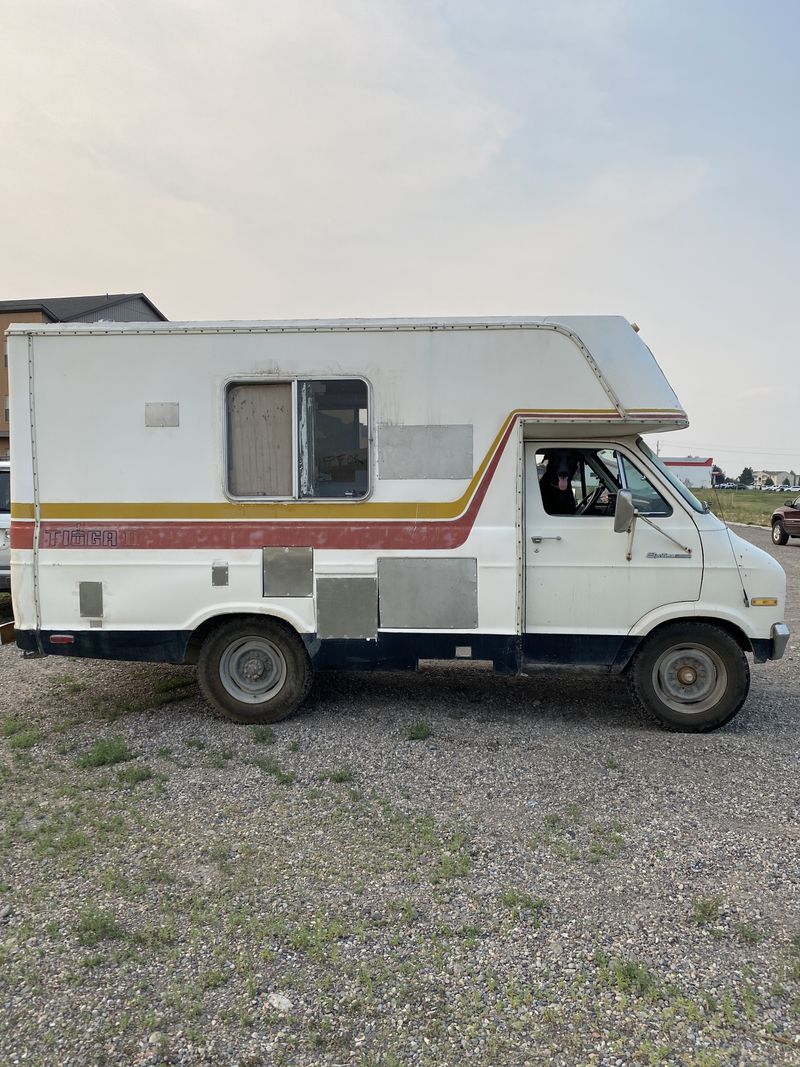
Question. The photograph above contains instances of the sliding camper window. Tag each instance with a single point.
(307, 439)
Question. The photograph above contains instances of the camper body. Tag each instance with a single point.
(271, 498)
(5, 526)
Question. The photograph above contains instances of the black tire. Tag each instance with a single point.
(690, 676)
(254, 670)
(779, 534)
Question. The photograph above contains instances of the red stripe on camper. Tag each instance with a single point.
(21, 534)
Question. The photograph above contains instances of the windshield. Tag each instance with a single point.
(5, 491)
(690, 499)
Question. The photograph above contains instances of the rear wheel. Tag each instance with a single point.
(254, 670)
(779, 534)
(690, 676)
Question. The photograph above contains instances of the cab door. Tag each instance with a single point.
(582, 595)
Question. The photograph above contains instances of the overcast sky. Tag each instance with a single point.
(315, 158)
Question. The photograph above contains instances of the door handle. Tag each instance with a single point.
(537, 539)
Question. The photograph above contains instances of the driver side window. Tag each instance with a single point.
(585, 481)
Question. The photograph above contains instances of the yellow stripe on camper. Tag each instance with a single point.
(293, 509)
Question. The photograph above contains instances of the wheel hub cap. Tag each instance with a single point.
(690, 678)
(253, 669)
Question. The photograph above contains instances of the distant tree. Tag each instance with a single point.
(746, 477)
(768, 481)
(786, 482)
(718, 475)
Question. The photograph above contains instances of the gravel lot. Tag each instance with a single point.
(439, 868)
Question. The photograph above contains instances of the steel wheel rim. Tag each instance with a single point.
(690, 678)
(253, 670)
(776, 533)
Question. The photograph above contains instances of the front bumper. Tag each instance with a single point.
(772, 647)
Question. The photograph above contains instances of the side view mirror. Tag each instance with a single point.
(624, 512)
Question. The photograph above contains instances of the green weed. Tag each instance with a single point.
(269, 766)
(419, 731)
(25, 739)
(134, 775)
(94, 925)
(340, 774)
(706, 910)
(105, 753)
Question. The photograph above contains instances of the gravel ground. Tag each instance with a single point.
(439, 868)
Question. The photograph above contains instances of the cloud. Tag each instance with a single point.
(271, 114)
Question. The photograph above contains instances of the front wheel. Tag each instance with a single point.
(254, 670)
(690, 676)
(779, 534)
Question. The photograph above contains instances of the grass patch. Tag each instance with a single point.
(743, 505)
(524, 905)
(419, 731)
(220, 759)
(134, 775)
(453, 861)
(748, 933)
(706, 910)
(339, 774)
(264, 735)
(11, 724)
(105, 753)
(271, 767)
(70, 684)
(605, 842)
(94, 925)
(25, 739)
(175, 684)
(627, 976)
(569, 837)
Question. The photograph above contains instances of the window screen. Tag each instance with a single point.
(260, 439)
(333, 438)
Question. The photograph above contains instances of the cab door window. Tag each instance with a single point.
(585, 481)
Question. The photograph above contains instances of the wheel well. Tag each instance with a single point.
(722, 624)
(205, 628)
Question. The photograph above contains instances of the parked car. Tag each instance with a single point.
(5, 523)
(786, 522)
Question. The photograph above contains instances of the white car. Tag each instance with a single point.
(5, 524)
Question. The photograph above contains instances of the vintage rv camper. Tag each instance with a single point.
(271, 498)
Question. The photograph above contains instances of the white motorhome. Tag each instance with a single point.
(5, 526)
(271, 498)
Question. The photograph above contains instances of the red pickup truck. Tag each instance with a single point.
(786, 522)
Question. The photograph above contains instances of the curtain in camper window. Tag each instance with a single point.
(260, 439)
